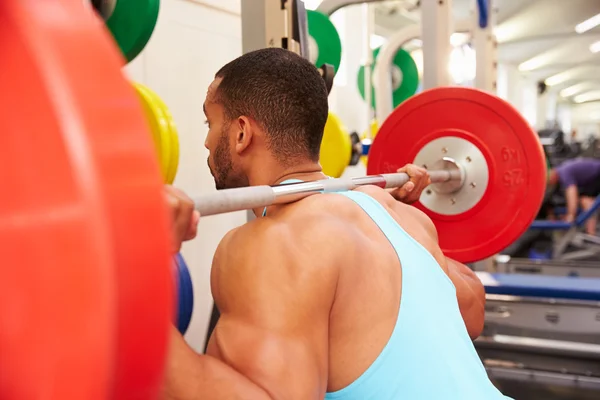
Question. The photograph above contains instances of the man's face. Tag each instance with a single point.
(221, 133)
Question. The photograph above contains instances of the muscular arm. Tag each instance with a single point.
(192, 376)
(271, 341)
(275, 297)
(470, 292)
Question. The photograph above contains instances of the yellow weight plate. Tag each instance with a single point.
(165, 143)
(175, 155)
(159, 125)
(374, 128)
(336, 147)
(173, 138)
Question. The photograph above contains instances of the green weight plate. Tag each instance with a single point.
(405, 77)
(325, 46)
(132, 23)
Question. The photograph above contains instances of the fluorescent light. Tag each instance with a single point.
(573, 90)
(588, 24)
(595, 47)
(566, 76)
(587, 96)
(531, 64)
(558, 78)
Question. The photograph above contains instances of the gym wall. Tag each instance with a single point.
(192, 40)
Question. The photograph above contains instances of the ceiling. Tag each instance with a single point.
(538, 36)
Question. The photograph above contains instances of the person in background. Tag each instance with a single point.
(580, 179)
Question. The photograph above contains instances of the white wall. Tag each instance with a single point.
(192, 40)
(586, 119)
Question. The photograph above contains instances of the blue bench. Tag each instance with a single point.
(556, 287)
(588, 245)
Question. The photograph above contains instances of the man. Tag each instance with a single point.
(580, 179)
(343, 295)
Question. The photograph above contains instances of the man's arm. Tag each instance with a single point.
(271, 341)
(275, 288)
(192, 376)
(572, 197)
(470, 292)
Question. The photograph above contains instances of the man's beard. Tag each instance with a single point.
(224, 174)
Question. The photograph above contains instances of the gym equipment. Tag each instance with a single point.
(513, 265)
(405, 77)
(85, 190)
(586, 246)
(336, 147)
(488, 170)
(83, 218)
(541, 335)
(357, 148)
(164, 131)
(131, 22)
(483, 137)
(325, 46)
(57, 316)
(185, 298)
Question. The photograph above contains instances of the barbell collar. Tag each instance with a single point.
(247, 198)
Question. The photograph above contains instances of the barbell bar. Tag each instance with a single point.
(238, 199)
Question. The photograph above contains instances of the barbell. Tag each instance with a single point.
(85, 231)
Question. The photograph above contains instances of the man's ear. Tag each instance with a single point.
(244, 135)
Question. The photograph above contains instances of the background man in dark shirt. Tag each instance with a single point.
(580, 179)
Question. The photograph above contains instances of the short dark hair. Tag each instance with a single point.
(284, 93)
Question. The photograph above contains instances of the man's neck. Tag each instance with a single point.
(307, 171)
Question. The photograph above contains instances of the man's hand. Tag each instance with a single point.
(411, 190)
(185, 217)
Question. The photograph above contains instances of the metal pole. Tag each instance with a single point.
(485, 44)
(436, 23)
(370, 22)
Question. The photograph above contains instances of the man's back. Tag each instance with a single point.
(580, 171)
(394, 329)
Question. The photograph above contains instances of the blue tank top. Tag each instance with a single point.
(429, 355)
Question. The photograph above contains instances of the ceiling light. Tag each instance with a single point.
(573, 90)
(558, 78)
(595, 47)
(588, 24)
(531, 64)
(587, 96)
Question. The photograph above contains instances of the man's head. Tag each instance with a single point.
(267, 105)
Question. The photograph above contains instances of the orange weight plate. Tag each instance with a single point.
(82, 68)
(57, 286)
(495, 148)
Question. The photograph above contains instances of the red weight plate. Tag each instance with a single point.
(57, 290)
(514, 155)
(83, 68)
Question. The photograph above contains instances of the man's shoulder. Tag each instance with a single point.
(312, 227)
